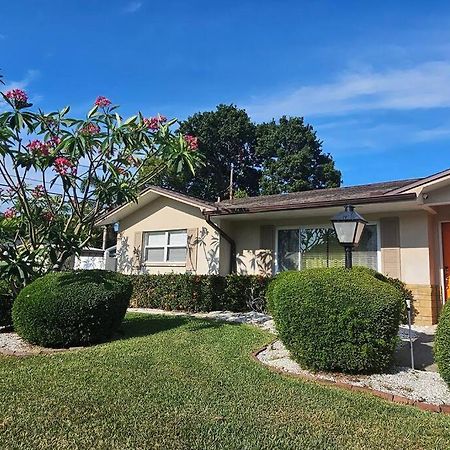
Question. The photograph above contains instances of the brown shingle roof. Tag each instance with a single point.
(316, 198)
(180, 196)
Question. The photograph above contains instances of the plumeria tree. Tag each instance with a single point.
(58, 175)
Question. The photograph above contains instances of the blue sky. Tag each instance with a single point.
(373, 78)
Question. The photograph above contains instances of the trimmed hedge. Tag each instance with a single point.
(6, 302)
(72, 308)
(337, 319)
(199, 293)
(442, 344)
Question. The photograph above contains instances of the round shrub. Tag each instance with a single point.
(337, 319)
(400, 285)
(442, 344)
(72, 308)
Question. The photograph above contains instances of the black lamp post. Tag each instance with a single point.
(348, 226)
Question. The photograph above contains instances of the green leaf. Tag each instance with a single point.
(92, 111)
(131, 119)
(64, 111)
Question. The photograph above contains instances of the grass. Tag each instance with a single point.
(181, 383)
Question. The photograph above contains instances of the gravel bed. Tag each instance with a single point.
(11, 344)
(252, 318)
(417, 385)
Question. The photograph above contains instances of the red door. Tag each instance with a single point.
(446, 257)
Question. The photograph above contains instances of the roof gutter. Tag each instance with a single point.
(223, 211)
(207, 215)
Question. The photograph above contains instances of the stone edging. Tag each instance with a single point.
(445, 409)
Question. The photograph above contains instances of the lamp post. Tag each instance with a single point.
(348, 226)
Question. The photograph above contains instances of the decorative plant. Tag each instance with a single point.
(59, 175)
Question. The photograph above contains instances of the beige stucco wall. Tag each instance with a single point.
(416, 255)
(161, 215)
(414, 249)
(224, 249)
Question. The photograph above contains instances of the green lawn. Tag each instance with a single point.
(180, 383)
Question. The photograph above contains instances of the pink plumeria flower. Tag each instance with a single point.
(10, 213)
(90, 129)
(54, 141)
(151, 123)
(38, 191)
(102, 102)
(154, 123)
(64, 166)
(191, 141)
(18, 97)
(38, 148)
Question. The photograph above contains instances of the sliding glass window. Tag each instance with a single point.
(304, 248)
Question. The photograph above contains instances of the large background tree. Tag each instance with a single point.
(292, 158)
(268, 158)
(225, 136)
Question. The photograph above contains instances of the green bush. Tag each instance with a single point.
(245, 292)
(198, 293)
(337, 319)
(6, 302)
(442, 344)
(71, 308)
(407, 295)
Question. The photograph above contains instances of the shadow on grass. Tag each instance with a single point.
(145, 325)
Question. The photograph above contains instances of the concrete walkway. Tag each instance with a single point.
(423, 343)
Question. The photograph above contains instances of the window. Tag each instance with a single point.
(165, 246)
(304, 248)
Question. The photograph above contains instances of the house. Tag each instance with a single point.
(407, 235)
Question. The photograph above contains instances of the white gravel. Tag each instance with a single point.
(252, 318)
(417, 385)
(13, 343)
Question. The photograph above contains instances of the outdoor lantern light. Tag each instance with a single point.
(348, 226)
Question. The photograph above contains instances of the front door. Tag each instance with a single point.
(446, 257)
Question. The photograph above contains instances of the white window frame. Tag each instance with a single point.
(322, 225)
(166, 248)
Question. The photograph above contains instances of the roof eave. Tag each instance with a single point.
(103, 220)
(312, 205)
(421, 182)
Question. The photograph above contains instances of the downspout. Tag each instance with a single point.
(226, 237)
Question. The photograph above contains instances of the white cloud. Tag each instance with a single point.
(424, 86)
(441, 132)
(31, 75)
(132, 7)
(363, 137)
